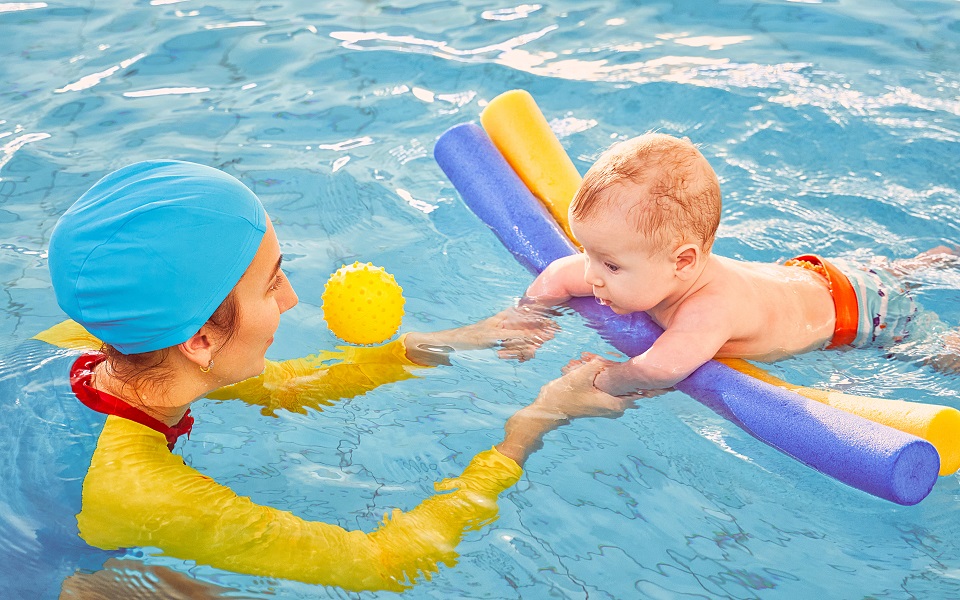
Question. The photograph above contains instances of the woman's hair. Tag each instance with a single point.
(680, 199)
(148, 367)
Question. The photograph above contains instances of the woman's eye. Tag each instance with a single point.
(277, 282)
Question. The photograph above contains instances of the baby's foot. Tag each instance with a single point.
(947, 360)
(954, 251)
(937, 257)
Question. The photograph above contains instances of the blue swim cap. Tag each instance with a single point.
(146, 256)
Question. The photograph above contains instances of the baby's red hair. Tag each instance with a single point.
(679, 200)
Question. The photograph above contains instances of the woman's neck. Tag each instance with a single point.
(168, 407)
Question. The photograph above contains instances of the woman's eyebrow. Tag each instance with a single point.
(276, 269)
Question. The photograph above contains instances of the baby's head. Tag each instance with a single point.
(646, 214)
(665, 187)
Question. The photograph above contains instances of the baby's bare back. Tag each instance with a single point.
(775, 311)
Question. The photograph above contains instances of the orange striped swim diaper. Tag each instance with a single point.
(873, 306)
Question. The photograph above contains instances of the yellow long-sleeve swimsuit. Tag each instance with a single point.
(137, 493)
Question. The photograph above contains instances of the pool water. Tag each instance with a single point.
(833, 126)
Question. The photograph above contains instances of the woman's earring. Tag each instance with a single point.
(208, 367)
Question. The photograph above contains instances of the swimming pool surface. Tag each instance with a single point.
(833, 126)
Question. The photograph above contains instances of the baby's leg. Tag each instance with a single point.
(942, 350)
(938, 257)
(938, 253)
(947, 360)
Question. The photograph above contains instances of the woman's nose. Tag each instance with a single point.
(288, 297)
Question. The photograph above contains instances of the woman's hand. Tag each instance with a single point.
(520, 331)
(606, 364)
(612, 370)
(517, 332)
(572, 396)
(586, 357)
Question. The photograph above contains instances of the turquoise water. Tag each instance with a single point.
(834, 127)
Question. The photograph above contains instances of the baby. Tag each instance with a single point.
(646, 216)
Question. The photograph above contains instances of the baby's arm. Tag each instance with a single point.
(695, 335)
(560, 281)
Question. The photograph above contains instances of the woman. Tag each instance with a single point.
(175, 269)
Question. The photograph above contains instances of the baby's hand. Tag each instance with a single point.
(574, 396)
(587, 358)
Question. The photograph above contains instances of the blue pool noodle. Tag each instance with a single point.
(868, 456)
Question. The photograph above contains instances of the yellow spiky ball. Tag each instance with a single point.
(362, 304)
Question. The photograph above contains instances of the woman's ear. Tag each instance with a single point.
(198, 349)
(686, 260)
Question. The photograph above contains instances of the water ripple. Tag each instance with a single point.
(371, 40)
(20, 6)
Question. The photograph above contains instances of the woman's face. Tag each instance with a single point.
(262, 295)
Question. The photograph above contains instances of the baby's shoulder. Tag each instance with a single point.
(734, 276)
(725, 290)
(708, 306)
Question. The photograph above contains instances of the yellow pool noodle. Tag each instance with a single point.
(520, 132)
(522, 135)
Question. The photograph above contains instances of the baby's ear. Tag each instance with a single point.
(687, 260)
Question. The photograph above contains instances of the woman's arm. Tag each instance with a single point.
(321, 379)
(313, 381)
(572, 396)
(136, 493)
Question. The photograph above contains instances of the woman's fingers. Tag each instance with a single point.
(517, 349)
(585, 357)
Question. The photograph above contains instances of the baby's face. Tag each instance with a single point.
(625, 274)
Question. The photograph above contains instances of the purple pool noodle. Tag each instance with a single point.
(469, 145)
(869, 456)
